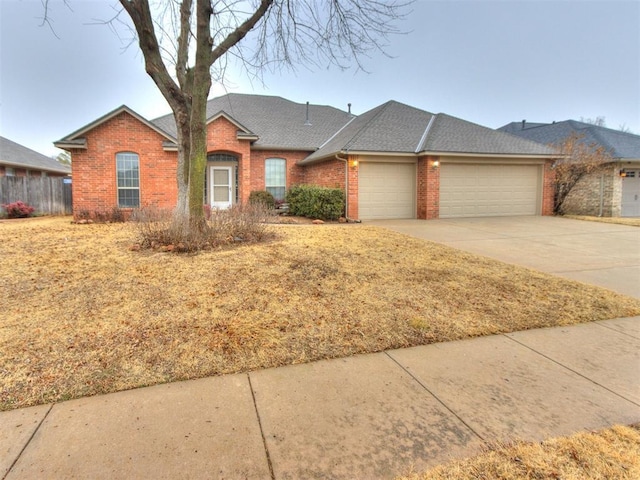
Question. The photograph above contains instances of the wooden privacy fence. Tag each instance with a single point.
(48, 195)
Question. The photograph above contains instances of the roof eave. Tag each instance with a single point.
(285, 149)
(78, 144)
(439, 153)
(35, 167)
(332, 154)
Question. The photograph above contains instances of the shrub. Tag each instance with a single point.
(18, 210)
(160, 229)
(315, 202)
(115, 215)
(262, 197)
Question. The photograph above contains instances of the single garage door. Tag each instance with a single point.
(631, 194)
(386, 190)
(473, 190)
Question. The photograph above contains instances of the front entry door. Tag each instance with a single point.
(221, 187)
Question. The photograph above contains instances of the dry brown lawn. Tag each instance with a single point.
(613, 453)
(632, 222)
(82, 314)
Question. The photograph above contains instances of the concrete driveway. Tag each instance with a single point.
(601, 254)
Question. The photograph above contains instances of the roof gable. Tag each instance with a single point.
(74, 140)
(14, 154)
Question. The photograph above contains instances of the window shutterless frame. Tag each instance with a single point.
(128, 179)
(275, 177)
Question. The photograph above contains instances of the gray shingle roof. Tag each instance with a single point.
(453, 135)
(278, 122)
(398, 128)
(14, 154)
(620, 144)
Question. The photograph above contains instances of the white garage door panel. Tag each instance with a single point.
(386, 190)
(469, 190)
(631, 194)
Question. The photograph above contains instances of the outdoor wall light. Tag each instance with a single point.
(623, 173)
(436, 164)
(354, 163)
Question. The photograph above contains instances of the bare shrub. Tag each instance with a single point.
(161, 229)
(578, 160)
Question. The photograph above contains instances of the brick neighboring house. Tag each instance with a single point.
(613, 192)
(394, 161)
(19, 161)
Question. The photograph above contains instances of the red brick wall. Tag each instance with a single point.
(428, 196)
(548, 188)
(222, 137)
(332, 174)
(325, 174)
(295, 173)
(94, 169)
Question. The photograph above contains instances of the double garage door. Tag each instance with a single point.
(476, 190)
(388, 190)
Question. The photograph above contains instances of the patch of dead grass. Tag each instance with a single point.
(632, 222)
(83, 315)
(613, 453)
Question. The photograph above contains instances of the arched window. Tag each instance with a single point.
(275, 177)
(128, 178)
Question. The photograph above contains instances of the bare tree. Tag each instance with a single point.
(186, 42)
(624, 128)
(599, 121)
(578, 159)
(63, 157)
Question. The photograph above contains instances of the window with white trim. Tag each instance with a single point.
(275, 177)
(9, 171)
(128, 178)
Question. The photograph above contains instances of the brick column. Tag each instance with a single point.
(352, 200)
(432, 181)
(548, 188)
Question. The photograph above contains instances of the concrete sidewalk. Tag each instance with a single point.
(367, 416)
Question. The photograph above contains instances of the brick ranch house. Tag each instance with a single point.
(394, 161)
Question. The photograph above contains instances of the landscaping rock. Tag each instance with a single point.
(317, 222)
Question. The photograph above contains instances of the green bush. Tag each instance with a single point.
(315, 202)
(262, 197)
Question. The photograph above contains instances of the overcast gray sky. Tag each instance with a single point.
(489, 62)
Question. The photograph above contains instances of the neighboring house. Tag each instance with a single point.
(394, 161)
(19, 161)
(613, 192)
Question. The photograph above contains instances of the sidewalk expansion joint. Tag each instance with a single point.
(13, 464)
(419, 382)
(602, 324)
(264, 440)
(571, 369)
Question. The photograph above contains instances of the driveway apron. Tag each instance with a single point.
(602, 254)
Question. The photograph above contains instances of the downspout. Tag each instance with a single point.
(601, 194)
(346, 184)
